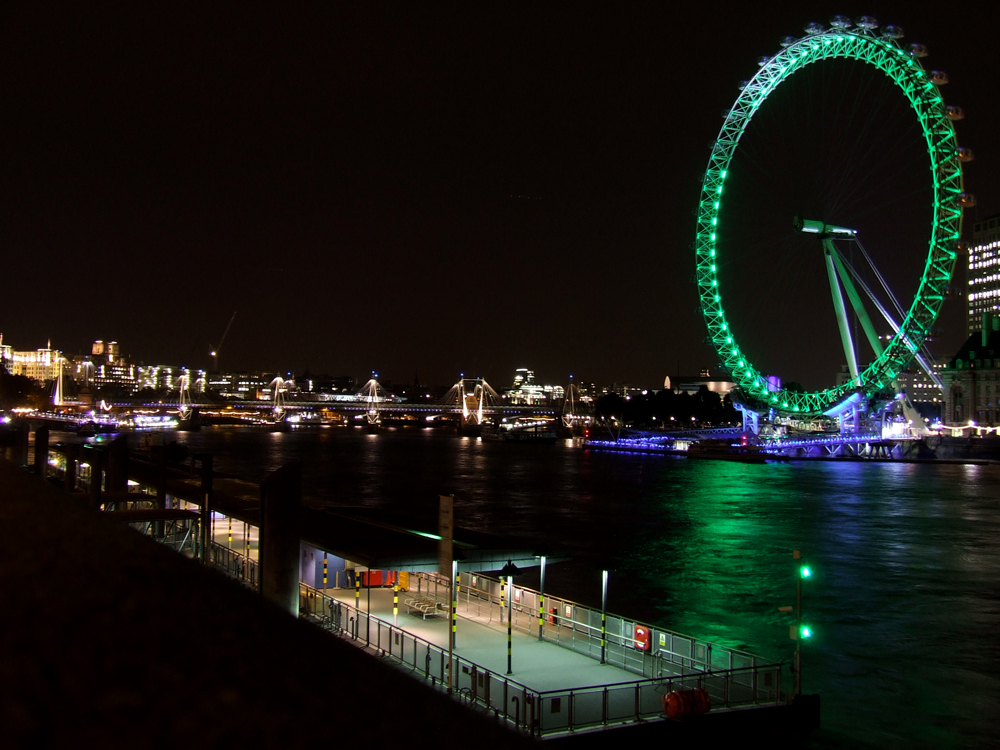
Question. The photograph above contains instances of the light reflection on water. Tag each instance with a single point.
(903, 600)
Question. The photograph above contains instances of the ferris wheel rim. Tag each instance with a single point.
(920, 88)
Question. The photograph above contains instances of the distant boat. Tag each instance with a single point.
(536, 433)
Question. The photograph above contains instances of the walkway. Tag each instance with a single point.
(538, 665)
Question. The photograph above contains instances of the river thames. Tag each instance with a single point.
(904, 600)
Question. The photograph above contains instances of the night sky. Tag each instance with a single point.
(419, 191)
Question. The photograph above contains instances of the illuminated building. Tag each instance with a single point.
(527, 392)
(238, 385)
(41, 365)
(972, 378)
(984, 271)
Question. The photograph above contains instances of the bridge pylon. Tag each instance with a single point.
(373, 394)
(475, 397)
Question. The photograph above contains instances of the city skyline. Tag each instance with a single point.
(413, 192)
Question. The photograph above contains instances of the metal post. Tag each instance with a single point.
(454, 603)
(368, 606)
(395, 602)
(451, 635)
(541, 602)
(357, 588)
(797, 555)
(510, 597)
(324, 570)
(604, 614)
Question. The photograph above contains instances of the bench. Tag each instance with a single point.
(426, 607)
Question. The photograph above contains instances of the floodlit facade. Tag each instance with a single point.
(41, 365)
(984, 272)
(972, 379)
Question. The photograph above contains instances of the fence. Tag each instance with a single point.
(578, 627)
(538, 713)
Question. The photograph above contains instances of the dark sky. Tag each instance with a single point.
(420, 191)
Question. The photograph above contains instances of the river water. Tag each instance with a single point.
(904, 600)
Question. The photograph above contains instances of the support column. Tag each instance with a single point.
(41, 451)
(280, 511)
(118, 467)
(841, 310)
(95, 458)
(205, 520)
(72, 458)
(21, 457)
(161, 489)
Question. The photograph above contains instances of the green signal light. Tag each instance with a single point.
(805, 572)
(805, 632)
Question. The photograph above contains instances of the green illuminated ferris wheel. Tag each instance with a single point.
(879, 49)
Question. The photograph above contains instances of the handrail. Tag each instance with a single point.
(724, 684)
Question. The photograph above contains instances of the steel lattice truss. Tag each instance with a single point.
(920, 87)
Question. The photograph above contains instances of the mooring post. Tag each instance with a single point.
(280, 510)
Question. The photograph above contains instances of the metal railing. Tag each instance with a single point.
(537, 712)
(578, 627)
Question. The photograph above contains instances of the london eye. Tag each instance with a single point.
(830, 219)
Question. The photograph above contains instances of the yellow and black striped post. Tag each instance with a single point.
(246, 538)
(541, 602)
(395, 603)
(357, 590)
(454, 605)
(324, 569)
(230, 532)
(502, 605)
(510, 581)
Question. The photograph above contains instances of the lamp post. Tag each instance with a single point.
(604, 614)
(509, 571)
(541, 600)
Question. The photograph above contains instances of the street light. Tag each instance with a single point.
(508, 571)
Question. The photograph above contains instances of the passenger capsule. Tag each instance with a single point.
(954, 113)
(788, 41)
(815, 28)
(840, 22)
(939, 77)
(744, 84)
(763, 60)
(866, 22)
(965, 154)
(968, 200)
(892, 32)
(918, 50)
